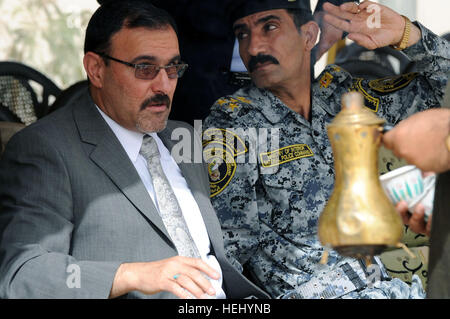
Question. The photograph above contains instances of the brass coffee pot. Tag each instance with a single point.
(358, 220)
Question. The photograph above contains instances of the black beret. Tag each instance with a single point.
(237, 9)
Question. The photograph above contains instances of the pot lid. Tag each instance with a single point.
(355, 113)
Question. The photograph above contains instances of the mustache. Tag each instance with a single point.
(156, 99)
(260, 58)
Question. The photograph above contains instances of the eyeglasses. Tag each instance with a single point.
(150, 71)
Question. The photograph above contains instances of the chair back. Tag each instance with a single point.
(25, 93)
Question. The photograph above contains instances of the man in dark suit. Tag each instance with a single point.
(82, 214)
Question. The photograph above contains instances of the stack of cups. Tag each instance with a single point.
(407, 183)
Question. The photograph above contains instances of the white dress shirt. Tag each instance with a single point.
(131, 142)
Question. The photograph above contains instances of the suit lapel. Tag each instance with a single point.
(110, 156)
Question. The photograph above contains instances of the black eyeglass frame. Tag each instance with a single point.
(180, 67)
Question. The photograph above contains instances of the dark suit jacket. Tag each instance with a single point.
(70, 195)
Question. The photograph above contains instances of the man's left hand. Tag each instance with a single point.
(369, 24)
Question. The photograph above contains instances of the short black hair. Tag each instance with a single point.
(300, 17)
(112, 16)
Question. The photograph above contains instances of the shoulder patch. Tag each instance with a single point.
(392, 84)
(370, 101)
(220, 149)
(221, 168)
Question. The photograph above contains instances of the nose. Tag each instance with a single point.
(257, 44)
(161, 83)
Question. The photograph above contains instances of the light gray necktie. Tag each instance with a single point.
(169, 208)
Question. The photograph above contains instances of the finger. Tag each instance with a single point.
(362, 40)
(336, 11)
(417, 222)
(202, 266)
(201, 281)
(365, 4)
(351, 7)
(402, 209)
(175, 288)
(337, 22)
(186, 282)
(429, 173)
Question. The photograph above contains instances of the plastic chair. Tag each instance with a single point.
(25, 93)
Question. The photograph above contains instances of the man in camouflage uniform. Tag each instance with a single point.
(271, 163)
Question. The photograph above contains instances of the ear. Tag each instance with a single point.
(94, 67)
(310, 31)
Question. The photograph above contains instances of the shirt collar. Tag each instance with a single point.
(131, 141)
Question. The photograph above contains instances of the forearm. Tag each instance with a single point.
(36, 274)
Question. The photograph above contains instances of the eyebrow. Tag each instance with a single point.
(259, 21)
(153, 58)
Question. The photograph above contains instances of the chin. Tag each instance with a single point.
(152, 125)
(262, 81)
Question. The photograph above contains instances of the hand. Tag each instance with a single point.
(421, 140)
(415, 221)
(358, 22)
(329, 35)
(153, 277)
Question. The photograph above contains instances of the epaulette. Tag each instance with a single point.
(231, 105)
(330, 80)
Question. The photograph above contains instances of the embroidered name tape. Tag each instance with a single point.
(285, 154)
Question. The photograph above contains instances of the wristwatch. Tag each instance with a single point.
(403, 44)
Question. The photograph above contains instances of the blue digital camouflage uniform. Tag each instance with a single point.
(269, 199)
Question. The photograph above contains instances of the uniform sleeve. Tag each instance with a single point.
(233, 178)
(36, 224)
(432, 57)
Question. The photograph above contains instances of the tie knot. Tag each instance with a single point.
(149, 149)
